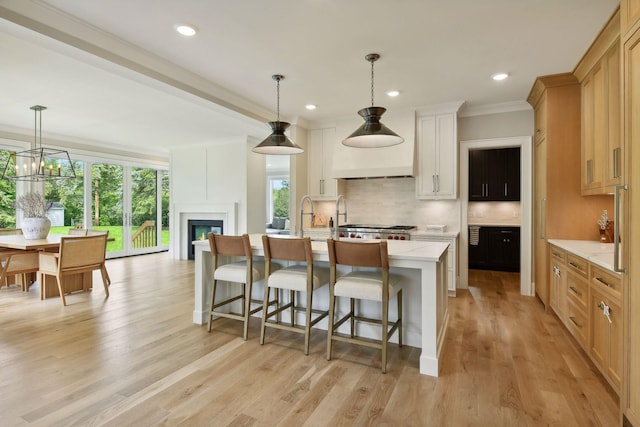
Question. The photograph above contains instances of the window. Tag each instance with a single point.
(7, 196)
(67, 198)
(278, 197)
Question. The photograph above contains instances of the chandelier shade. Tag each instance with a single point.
(39, 163)
(373, 133)
(278, 143)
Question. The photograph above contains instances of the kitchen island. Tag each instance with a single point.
(422, 265)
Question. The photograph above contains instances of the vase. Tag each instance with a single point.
(35, 228)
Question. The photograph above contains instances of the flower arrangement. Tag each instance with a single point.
(33, 205)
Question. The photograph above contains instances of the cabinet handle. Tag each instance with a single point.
(616, 229)
(322, 186)
(541, 221)
(576, 266)
(599, 279)
(505, 190)
(616, 162)
(438, 183)
(589, 178)
(573, 319)
(433, 179)
(575, 291)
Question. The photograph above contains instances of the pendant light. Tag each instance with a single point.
(39, 163)
(372, 134)
(278, 142)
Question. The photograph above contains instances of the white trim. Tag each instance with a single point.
(183, 212)
(526, 195)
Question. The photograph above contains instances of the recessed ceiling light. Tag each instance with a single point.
(393, 93)
(499, 76)
(186, 30)
(310, 106)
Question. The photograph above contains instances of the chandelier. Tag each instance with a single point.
(39, 163)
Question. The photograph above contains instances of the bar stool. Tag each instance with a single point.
(376, 285)
(243, 272)
(302, 276)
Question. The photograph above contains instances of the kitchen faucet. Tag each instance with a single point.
(302, 212)
(338, 213)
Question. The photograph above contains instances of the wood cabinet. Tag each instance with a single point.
(631, 226)
(605, 332)
(497, 248)
(320, 156)
(494, 175)
(560, 211)
(558, 282)
(629, 16)
(587, 299)
(599, 74)
(437, 156)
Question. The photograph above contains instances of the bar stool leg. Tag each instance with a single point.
(247, 308)
(213, 299)
(307, 326)
(332, 305)
(399, 296)
(265, 306)
(352, 307)
(385, 334)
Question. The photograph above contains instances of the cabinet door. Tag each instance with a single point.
(613, 154)
(541, 119)
(539, 225)
(503, 248)
(594, 129)
(315, 163)
(319, 161)
(437, 157)
(477, 175)
(605, 336)
(511, 182)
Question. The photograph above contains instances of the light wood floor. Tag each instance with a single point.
(136, 359)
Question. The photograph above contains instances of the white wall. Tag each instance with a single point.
(213, 178)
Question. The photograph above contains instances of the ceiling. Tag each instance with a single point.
(115, 73)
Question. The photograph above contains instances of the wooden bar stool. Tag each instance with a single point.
(243, 272)
(301, 276)
(376, 285)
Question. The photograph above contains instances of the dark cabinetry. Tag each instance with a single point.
(494, 248)
(494, 175)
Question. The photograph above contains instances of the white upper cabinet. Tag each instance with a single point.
(437, 161)
(320, 164)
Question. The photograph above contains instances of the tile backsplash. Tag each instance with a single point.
(391, 201)
(487, 213)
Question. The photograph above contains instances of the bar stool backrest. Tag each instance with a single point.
(287, 249)
(230, 245)
(365, 254)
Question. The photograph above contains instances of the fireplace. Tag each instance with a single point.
(198, 229)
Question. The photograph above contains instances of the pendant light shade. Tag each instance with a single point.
(372, 134)
(278, 142)
(39, 163)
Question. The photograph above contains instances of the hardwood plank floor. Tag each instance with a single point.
(136, 359)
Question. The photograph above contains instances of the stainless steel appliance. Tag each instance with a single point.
(365, 231)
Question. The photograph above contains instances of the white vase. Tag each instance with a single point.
(35, 228)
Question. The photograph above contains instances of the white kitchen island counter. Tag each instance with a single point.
(423, 266)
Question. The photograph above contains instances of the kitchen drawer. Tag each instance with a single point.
(577, 290)
(578, 265)
(557, 254)
(607, 282)
(577, 324)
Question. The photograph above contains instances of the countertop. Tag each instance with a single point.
(447, 233)
(598, 253)
(411, 250)
(495, 224)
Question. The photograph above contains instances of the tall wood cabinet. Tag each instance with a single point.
(599, 76)
(560, 210)
(631, 223)
(320, 160)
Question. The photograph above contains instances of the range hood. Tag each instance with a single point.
(394, 161)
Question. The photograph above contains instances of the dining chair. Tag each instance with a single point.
(370, 280)
(243, 272)
(92, 232)
(299, 275)
(78, 255)
(77, 232)
(7, 281)
(18, 264)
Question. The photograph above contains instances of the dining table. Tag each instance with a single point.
(74, 283)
